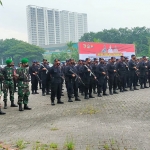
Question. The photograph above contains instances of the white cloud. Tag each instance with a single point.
(9, 33)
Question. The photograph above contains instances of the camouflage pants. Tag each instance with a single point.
(23, 92)
(8, 85)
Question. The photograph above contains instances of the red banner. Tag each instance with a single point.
(106, 49)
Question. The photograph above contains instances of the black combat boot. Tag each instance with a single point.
(110, 92)
(145, 86)
(5, 104)
(99, 95)
(121, 90)
(115, 92)
(59, 101)
(20, 107)
(131, 89)
(52, 102)
(86, 97)
(36, 92)
(91, 96)
(125, 89)
(70, 100)
(105, 94)
(2, 113)
(77, 99)
(12, 104)
(135, 88)
(43, 94)
(26, 107)
(94, 92)
(33, 92)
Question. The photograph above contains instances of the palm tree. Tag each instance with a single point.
(70, 46)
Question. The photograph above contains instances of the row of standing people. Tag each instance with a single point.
(88, 77)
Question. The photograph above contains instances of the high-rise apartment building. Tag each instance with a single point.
(50, 26)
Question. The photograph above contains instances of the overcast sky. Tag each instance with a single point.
(102, 14)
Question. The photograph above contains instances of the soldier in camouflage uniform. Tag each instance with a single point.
(1, 113)
(23, 85)
(8, 75)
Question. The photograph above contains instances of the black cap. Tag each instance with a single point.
(132, 55)
(112, 57)
(86, 59)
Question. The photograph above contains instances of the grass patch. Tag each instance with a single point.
(89, 110)
(54, 129)
(69, 144)
(54, 146)
(20, 144)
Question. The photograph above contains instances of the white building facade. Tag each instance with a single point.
(50, 26)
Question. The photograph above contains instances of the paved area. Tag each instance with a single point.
(120, 121)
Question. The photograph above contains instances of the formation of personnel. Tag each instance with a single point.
(86, 77)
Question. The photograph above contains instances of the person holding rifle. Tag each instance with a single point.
(112, 74)
(56, 82)
(102, 78)
(72, 75)
(121, 69)
(44, 70)
(88, 78)
(33, 70)
(133, 69)
(142, 69)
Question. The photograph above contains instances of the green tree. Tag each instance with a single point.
(1, 2)
(97, 40)
(137, 35)
(15, 49)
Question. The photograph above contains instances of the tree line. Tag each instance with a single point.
(140, 36)
(16, 50)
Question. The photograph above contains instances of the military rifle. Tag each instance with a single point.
(45, 68)
(77, 77)
(92, 73)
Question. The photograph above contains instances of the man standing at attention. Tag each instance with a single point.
(8, 75)
(23, 85)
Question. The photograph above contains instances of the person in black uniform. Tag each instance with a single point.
(87, 78)
(33, 71)
(56, 82)
(127, 72)
(101, 73)
(142, 70)
(121, 69)
(94, 66)
(80, 66)
(44, 70)
(79, 84)
(39, 74)
(71, 72)
(112, 74)
(132, 69)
